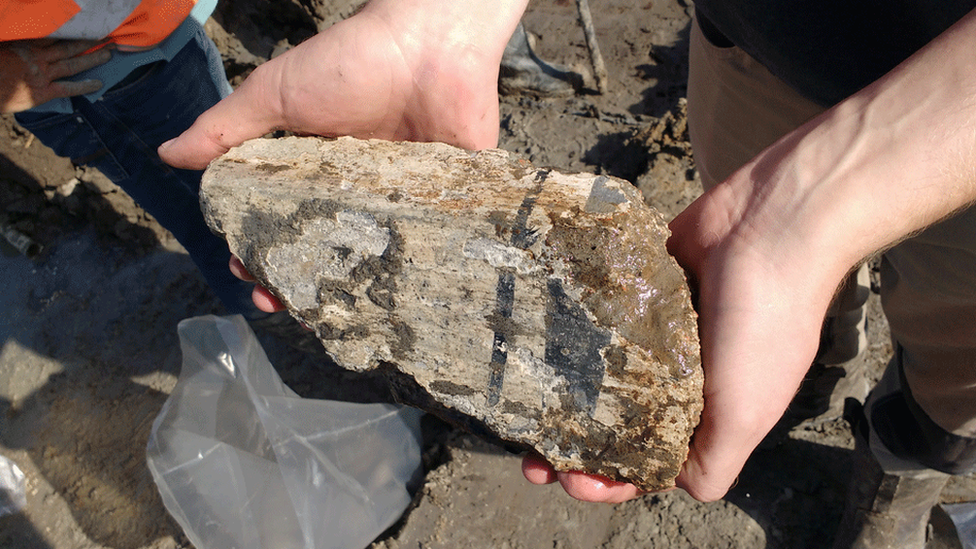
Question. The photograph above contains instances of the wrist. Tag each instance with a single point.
(451, 51)
(892, 159)
(778, 210)
(457, 34)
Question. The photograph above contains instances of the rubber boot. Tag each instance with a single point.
(886, 510)
(891, 496)
(523, 72)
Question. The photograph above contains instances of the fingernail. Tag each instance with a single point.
(165, 146)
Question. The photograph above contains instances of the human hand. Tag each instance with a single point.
(263, 299)
(392, 71)
(31, 71)
(761, 300)
(761, 307)
(767, 248)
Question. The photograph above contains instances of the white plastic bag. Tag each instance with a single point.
(242, 462)
(963, 517)
(13, 496)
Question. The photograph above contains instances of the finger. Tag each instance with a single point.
(71, 88)
(718, 453)
(581, 486)
(74, 65)
(244, 114)
(596, 489)
(701, 482)
(536, 470)
(265, 300)
(238, 269)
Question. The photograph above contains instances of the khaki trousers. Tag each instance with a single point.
(735, 109)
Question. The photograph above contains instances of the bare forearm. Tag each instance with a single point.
(889, 161)
(768, 247)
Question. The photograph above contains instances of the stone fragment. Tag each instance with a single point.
(530, 306)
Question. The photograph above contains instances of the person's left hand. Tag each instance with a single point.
(760, 305)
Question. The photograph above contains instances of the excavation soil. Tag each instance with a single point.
(89, 346)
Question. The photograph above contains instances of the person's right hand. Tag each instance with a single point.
(417, 70)
(392, 71)
(31, 71)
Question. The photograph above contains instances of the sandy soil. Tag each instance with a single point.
(89, 346)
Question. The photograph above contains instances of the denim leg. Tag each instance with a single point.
(119, 135)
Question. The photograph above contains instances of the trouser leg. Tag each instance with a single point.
(928, 291)
(923, 412)
(918, 422)
(119, 135)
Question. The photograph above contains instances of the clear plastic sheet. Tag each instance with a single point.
(963, 516)
(242, 461)
(13, 497)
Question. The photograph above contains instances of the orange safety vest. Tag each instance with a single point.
(132, 24)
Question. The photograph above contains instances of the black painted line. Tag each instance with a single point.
(505, 300)
(522, 238)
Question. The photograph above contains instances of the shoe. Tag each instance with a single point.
(523, 73)
(886, 510)
(839, 368)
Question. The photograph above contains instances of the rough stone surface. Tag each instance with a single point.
(530, 306)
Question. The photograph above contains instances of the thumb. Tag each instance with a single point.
(707, 476)
(240, 116)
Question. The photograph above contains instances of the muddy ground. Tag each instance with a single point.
(89, 346)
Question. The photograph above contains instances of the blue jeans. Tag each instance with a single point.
(119, 135)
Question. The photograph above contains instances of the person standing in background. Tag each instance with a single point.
(104, 84)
